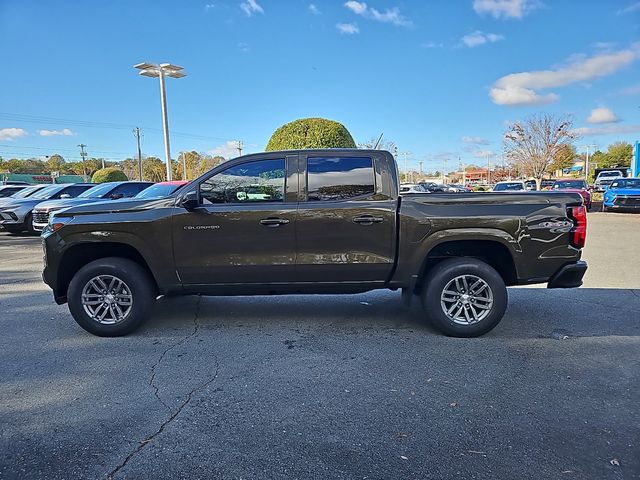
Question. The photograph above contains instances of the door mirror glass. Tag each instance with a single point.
(65, 195)
(190, 200)
(116, 196)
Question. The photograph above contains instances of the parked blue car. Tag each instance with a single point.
(622, 194)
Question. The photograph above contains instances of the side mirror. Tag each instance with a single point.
(190, 200)
(65, 195)
(116, 196)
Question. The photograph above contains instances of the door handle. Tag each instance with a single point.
(273, 222)
(368, 220)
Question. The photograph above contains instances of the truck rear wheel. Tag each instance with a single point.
(464, 297)
(111, 297)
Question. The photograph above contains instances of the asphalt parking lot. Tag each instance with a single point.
(309, 387)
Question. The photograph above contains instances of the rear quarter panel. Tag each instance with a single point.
(533, 226)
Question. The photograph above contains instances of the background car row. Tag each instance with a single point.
(28, 207)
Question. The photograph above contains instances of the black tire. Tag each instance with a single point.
(28, 224)
(447, 271)
(141, 289)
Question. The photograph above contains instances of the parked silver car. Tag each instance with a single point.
(16, 216)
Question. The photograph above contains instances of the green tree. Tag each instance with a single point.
(154, 170)
(563, 157)
(109, 174)
(618, 155)
(55, 163)
(310, 133)
(29, 165)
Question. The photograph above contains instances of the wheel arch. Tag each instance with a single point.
(491, 251)
(78, 255)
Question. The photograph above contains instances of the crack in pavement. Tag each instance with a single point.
(181, 407)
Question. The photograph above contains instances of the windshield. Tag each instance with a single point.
(46, 192)
(609, 174)
(508, 186)
(569, 184)
(98, 191)
(24, 193)
(158, 190)
(629, 183)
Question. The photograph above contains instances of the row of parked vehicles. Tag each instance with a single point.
(619, 192)
(27, 208)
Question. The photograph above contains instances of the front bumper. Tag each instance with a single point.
(569, 276)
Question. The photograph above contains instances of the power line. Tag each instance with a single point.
(91, 124)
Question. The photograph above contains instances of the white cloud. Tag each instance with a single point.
(523, 88)
(12, 133)
(602, 115)
(347, 28)
(229, 149)
(243, 47)
(475, 140)
(632, 90)
(250, 7)
(608, 130)
(51, 133)
(314, 9)
(633, 7)
(432, 45)
(505, 8)
(392, 15)
(479, 38)
(483, 153)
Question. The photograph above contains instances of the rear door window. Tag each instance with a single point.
(339, 178)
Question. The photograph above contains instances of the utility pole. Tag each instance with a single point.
(488, 168)
(136, 132)
(184, 165)
(461, 167)
(420, 163)
(444, 167)
(239, 147)
(586, 163)
(406, 169)
(83, 155)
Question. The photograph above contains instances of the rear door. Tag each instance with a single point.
(244, 230)
(346, 219)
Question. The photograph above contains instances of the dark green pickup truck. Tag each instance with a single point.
(312, 221)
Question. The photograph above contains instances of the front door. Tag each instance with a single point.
(244, 229)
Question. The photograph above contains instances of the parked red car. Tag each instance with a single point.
(578, 186)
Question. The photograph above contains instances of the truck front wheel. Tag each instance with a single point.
(111, 297)
(464, 297)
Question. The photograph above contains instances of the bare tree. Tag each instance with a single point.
(533, 144)
(388, 145)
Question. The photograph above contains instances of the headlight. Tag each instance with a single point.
(56, 223)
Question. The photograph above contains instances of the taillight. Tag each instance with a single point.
(579, 230)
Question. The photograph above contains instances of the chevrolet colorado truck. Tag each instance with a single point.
(312, 221)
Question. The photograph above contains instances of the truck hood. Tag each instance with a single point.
(624, 191)
(68, 202)
(116, 206)
(581, 191)
(20, 203)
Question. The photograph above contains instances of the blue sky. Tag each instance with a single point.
(440, 78)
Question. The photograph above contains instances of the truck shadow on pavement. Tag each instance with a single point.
(532, 312)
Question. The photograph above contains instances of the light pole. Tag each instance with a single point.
(586, 163)
(160, 71)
